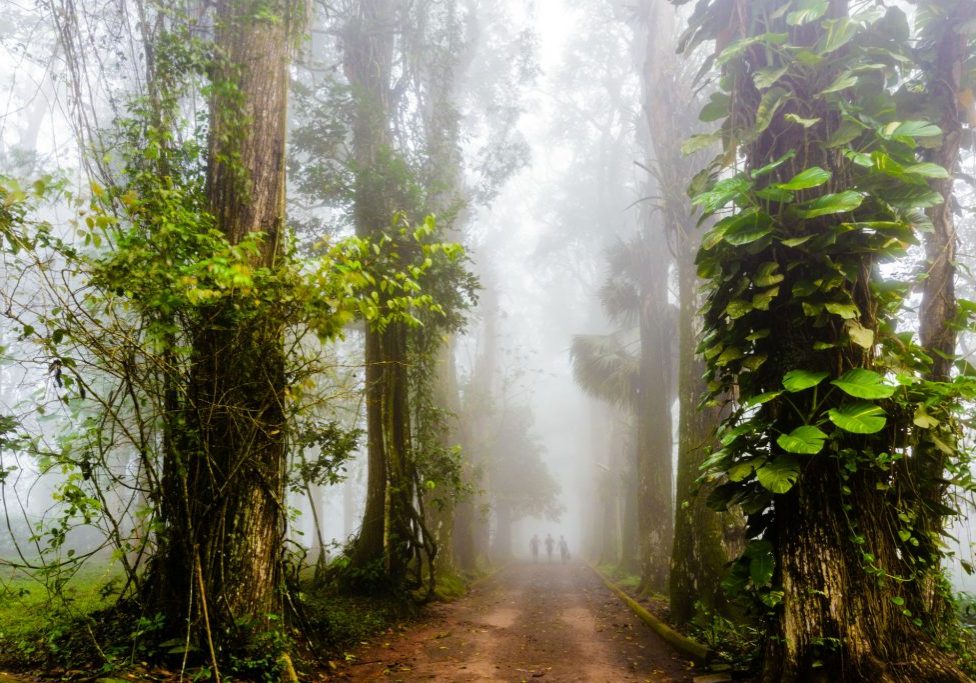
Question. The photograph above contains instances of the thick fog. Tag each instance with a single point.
(538, 242)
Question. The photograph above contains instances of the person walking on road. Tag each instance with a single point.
(563, 549)
(549, 544)
(534, 544)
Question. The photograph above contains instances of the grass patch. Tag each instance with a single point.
(620, 576)
(38, 610)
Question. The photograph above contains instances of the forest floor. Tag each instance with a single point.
(544, 621)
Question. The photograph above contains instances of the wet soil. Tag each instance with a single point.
(545, 621)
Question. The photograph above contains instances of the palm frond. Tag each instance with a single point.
(605, 368)
(620, 299)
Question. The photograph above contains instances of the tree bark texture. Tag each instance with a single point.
(938, 309)
(367, 45)
(655, 515)
(835, 532)
(655, 470)
(223, 509)
(698, 559)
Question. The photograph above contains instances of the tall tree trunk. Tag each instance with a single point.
(368, 61)
(629, 528)
(698, 558)
(938, 309)
(472, 530)
(442, 510)
(445, 186)
(834, 534)
(223, 511)
(501, 547)
(655, 517)
(655, 471)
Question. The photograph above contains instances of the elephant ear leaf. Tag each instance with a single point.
(798, 380)
(862, 383)
(779, 474)
(859, 418)
(804, 440)
(762, 562)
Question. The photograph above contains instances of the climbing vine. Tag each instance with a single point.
(112, 301)
(818, 195)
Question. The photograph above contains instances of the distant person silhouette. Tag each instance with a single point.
(563, 549)
(549, 544)
(534, 544)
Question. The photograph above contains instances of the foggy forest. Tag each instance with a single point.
(488, 340)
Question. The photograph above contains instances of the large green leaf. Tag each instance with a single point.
(740, 46)
(759, 399)
(911, 129)
(723, 192)
(798, 380)
(730, 435)
(849, 130)
(927, 170)
(728, 355)
(844, 81)
(773, 165)
(770, 103)
(779, 474)
(805, 440)
(923, 419)
(767, 274)
(830, 204)
(811, 177)
(863, 383)
(839, 33)
(717, 108)
(806, 123)
(762, 562)
(766, 77)
(859, 418)
(742, 470)
(807, 11)
(847, 311)
(698, 142)
(860, 335)
(738, 308)
(762, 300)
(748, 227)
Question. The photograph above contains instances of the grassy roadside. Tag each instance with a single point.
(40, 614)
(78, 631)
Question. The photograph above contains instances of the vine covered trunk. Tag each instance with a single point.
(827, 398)
(223, 512)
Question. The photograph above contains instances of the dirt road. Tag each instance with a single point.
(529, 622)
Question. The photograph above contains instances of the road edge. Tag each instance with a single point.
(681, 643)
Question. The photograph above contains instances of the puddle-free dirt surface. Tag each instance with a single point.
(529, 622)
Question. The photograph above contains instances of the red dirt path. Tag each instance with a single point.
(546, 622)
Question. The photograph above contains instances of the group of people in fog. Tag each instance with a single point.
(550, 544)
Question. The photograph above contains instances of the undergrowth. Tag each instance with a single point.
(83, 629)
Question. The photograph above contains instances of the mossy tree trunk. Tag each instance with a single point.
(831, 555)
(697, 558)
(655, 515)
(223, 510)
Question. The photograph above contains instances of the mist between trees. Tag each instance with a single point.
(310, 300)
